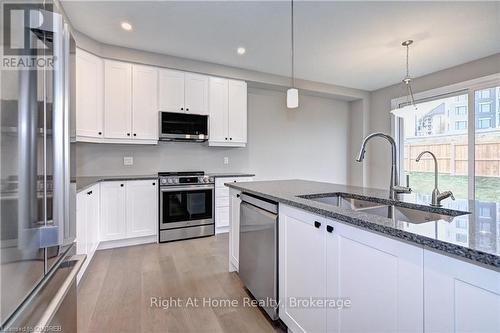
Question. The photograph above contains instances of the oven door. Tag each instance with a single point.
(186, 206)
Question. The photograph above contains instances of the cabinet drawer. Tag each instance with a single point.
(219, 182)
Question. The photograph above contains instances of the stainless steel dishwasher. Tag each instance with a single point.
(258, 263)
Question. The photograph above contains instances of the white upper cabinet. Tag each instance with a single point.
(89, 96)
(183, 92)
(196, 93)
(171, 90)
(237, 124)
(144, 102)
(218, 105)
(117, 100)
(228, 112)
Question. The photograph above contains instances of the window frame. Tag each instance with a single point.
(466, 87)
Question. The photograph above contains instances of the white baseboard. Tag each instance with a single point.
(104, 245)
(221, 230)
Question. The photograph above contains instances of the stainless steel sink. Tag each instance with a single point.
(372, 207)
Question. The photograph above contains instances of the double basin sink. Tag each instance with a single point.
(394, 212)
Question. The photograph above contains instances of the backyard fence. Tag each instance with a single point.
(452, 158)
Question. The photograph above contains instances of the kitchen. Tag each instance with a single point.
(286, 174)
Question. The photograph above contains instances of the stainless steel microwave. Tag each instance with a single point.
(183, 127)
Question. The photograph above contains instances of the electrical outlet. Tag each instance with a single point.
(226, 160)
(128, 160)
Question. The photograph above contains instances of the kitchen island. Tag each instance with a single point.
(423, 268)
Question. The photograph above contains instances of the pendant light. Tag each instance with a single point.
(410, 100)
(292, 94)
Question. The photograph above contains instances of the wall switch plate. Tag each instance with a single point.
(128, 160)
(226, 160)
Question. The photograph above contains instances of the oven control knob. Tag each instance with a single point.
(170, 181)
(163, 181)
(211, 179)
(176, 180)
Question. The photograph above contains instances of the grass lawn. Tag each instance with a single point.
(487, 188)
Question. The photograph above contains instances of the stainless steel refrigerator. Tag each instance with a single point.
(37, 167)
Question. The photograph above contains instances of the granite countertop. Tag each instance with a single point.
(84, 182)
(474, 236)
(230, 174)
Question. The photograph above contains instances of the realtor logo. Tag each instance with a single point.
(23, 32)
(27, 35)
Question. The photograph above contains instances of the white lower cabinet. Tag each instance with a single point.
(87, 224)
(302, 270)
(234, 229)
(222, 211)
(113, 211)
(460, 296)
(325, 259)
(129, 209)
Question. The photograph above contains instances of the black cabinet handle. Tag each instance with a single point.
(121, 185)
(182, 109)
(237, 195)
(329, 228)
(128, 134)
(317, 224)
(187, 109)
(89, 192)
(135, 134)
(154, 184)
(100, 133)
(230, 138)
(226, 138)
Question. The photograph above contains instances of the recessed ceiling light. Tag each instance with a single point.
(126, 26)
(241, 50)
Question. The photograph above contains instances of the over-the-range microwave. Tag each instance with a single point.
(183, 127)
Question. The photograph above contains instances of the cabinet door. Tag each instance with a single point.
(142, 208)
(460, 296)
(113, 211)
(234, 229)
(302, 269)
(237, 124)
(218, 106)
(92, 218)
(81, 223)
(145, 102)
(171, 90)
(117, 100)
(89, 95)
(380, 276)
(196, 93)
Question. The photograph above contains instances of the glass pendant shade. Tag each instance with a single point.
(292, 98)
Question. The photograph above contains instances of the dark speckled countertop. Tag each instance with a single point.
(84, 182)
(474, 236)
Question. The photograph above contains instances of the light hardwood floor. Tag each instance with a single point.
(115, 293)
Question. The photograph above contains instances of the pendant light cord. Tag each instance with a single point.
(407, 61)
(293, 48)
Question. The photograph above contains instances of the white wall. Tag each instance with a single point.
(310, 142)
(378, 152)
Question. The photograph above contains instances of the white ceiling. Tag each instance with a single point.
(353, 44)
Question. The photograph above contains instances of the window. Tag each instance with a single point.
(484, 94)
(484, 123)
(484, 212)
(460, 125)
(461, 110)
(454, 140)
(484, 107)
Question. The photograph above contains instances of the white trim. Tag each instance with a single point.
(476, 84)
(104, 245)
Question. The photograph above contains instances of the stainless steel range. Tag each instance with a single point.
(186, 205)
